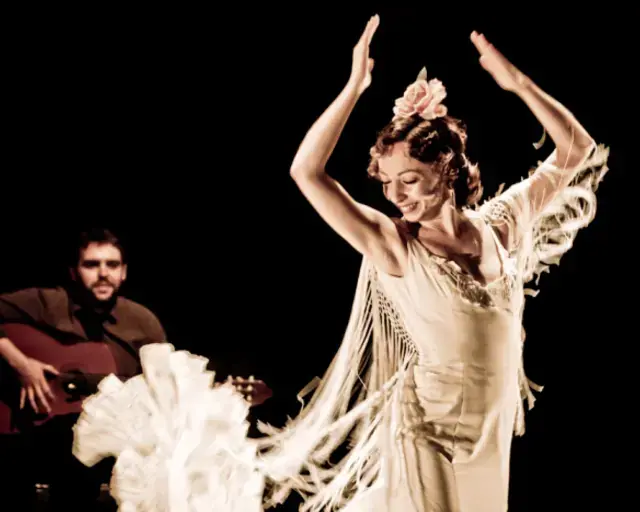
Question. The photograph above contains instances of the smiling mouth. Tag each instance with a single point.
(408, 208)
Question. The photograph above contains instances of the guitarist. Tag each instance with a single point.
(91, 308)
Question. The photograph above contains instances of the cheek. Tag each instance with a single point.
(88, 276)
(424, 190)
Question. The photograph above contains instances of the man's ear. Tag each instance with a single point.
(125, 268)
(73, 274)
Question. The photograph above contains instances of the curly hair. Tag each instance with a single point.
(95, 235)
(441, 141)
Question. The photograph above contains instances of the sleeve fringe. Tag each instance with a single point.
(550, 235)
(347, 411)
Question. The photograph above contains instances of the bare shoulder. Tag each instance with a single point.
(499, 227)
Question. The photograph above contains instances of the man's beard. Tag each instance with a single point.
(97, 302)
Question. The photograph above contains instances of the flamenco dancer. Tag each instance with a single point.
(442, 290)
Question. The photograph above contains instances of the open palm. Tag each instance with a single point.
(503, 72)
(362, 64)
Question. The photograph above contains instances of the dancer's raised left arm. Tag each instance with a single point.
(573, 143)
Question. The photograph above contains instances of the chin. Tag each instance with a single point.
(414, 215)
(103, 297)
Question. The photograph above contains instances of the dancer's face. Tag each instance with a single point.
(101, 270)
(417, 189)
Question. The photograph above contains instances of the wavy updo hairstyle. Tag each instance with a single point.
(441, 141)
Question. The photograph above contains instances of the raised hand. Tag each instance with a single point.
(503, 72)
(362, 63)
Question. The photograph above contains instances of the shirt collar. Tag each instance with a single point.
(77, 306)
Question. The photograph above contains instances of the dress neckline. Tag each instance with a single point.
(503, 257)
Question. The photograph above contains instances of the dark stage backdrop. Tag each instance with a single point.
(177, 129)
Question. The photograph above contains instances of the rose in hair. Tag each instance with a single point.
(423, 98)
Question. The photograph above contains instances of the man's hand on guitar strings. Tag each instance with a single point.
(34, 384)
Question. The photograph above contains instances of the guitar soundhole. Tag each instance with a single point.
(75, 384)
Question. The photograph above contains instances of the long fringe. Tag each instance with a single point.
(549, 234)
(297, 457)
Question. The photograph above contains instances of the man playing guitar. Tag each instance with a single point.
(90, 309)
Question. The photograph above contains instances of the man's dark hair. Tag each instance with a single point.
(99, 236)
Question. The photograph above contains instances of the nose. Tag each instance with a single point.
(102, 270)
(395, 193)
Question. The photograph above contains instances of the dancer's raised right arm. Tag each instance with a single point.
(369, 231)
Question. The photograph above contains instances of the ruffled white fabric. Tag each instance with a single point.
(180, 443)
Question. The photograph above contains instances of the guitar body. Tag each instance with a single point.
(82, 365)
(74, 361)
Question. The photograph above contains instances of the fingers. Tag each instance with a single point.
(47, 389)
(489, 55)
(363, 36)
(373, 25)
(43, 400)
(369, 30)
(480, 42)
(51, 369)
(483, 46)
(45, 382)
(35, 394)
(32, 399)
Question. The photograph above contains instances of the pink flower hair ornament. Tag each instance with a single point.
(422, 97)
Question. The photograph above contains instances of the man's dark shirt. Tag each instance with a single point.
(125, 328)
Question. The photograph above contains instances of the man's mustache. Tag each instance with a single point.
(103, 283)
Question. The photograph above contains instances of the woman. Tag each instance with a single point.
(438, 308)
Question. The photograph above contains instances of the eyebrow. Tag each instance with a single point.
(404, 172)
(94, 261)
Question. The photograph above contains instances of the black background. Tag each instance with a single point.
(176, 127)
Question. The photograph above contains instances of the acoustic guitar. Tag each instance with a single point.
(82, 366)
